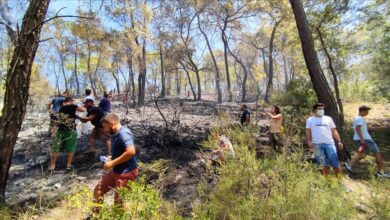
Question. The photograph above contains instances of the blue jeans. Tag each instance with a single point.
(326, 155)
(371, 146)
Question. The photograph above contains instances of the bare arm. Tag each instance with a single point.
(308, 138)
(336, 136)
(85, 119)
(278, 116)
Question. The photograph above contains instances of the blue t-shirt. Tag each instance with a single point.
(105, 105)
(120, 142)
(57, 103)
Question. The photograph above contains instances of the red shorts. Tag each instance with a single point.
(113, 181)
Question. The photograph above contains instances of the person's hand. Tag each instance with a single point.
(341, 145)
(108, 165)
(363, 142)
(310, 145)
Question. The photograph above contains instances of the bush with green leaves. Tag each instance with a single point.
(280, 187)
(140, 201)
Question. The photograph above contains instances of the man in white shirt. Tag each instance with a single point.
(85, 126)
(320, 134)
(365, 142)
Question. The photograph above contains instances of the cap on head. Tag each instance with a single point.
(364, 108)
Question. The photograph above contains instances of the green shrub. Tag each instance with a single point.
(282, 187)
(299, 95)
(141, 201)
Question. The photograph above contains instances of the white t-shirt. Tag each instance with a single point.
(89, 97)
(321, 129)
(359, 120)
(222, 141)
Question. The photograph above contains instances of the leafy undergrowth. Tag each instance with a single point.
(282, 186)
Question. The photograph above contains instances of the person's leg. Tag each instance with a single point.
(106, 140)
(57, 141)
(53, 160)
(373, 147)
(92, 140)
(70, 144)
(121, 181)
(325, 171)
(357, 157)
(331, 158)
(272, 141)
(104, 186)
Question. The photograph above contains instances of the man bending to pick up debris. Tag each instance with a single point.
(122, 167)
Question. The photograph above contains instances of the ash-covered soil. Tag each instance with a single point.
(176, 138)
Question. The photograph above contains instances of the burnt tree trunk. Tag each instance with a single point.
(320, 85)
(75, 68)
(245, 79)
(162, 94)
(217, 72)
(271, 62)
(18, 84)
(189, 80)
(225, 56)
(335, 79)
(131, 75)
(142, 76)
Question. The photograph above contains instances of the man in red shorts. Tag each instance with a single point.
(122, 167)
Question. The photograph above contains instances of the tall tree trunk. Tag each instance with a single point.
(271, 62)
(91, 79)
(245, 79)
(116, 78)
(189, 79)
(142, 76)
(57, 78)
(335, 80)
(178, 82)
(162, 70)
(285, 63)
(131, 76)
(225, 56)
(18, 84)
(320, 85)
(196, 70)
(63, 71)
(75, 68)
(217, 72)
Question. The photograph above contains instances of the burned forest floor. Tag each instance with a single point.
(170, 138)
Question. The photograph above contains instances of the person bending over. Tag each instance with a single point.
(66, 135)
(122, 167)
(95, 116)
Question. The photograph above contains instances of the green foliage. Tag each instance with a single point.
(299, 95)
(274, 188)
(141, 201)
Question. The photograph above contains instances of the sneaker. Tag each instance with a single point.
(382, 175)
(348, 167)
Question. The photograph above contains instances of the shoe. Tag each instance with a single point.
(382, 175)
(348, 167)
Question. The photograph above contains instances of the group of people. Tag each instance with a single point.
(121, 162)
(322, 137)
(321, 134)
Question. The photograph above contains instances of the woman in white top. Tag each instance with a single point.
(275, 128)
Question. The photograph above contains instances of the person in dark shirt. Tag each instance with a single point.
(105, 104)
(123, 164)
(246, 115)
(95, 116)
(54, 106)
(66, 135)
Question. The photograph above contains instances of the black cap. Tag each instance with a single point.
(364, 108)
